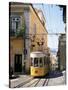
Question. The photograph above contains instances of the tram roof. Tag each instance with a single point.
(37, 54)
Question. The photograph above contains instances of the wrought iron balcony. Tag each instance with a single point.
(11, 32)
(18, 33)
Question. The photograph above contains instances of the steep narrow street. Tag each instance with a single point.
(54, 78)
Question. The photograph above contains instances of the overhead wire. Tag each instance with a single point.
(54, 31)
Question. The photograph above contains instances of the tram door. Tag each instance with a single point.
(18, 63)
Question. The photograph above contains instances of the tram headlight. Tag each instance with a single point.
(36, 71)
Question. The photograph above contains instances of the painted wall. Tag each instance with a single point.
(34, 26)
(40, 29)
(16, 47)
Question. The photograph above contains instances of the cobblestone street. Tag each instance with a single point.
(54, 78)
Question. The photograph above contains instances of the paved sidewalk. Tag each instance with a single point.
(19, 80)
(58, 80)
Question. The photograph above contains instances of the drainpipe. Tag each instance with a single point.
(24, 51)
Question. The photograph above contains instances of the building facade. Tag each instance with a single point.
(27, 34)
(62, 52)
(62, 43)
(54, 62)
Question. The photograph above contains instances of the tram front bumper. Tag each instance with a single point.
(37, 71)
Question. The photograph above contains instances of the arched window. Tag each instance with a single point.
(15, 22)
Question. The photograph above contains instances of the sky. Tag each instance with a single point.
(54, 22)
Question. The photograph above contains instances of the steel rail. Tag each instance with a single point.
(23, 83)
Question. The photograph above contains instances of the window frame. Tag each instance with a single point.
(35, 62)
(14, 22)
(32, 61)
(42, 59)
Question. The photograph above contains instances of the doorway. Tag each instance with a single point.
(18, 62)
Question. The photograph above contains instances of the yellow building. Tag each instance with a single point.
(38, 31)
(27, 34)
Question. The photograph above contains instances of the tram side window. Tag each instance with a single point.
(40, 62)
(48, 61)
(35, 62)
(45, 60)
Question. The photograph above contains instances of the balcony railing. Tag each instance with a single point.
(18, 33)
(12, 33)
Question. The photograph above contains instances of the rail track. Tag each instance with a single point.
(33, 82)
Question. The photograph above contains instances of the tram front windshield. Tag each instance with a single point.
(38, 62)
(35, 62)
(41, 62)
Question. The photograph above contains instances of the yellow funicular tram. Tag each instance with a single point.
(39, 64)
